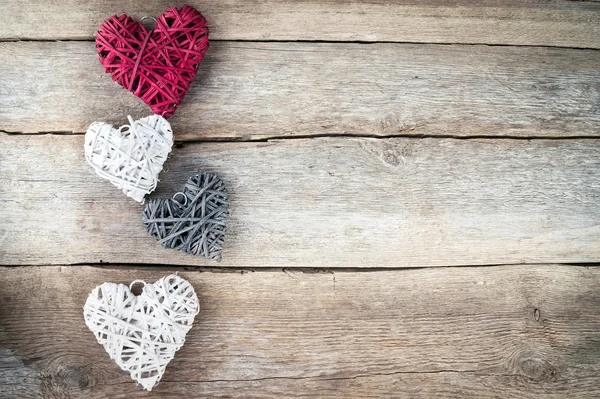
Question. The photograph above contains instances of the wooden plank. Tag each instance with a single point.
(513, 332)
(330, 202)
(556, 23)
(253, 91)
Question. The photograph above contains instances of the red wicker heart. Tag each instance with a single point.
(158, 66)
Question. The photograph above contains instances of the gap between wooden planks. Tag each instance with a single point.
(556, 23)
(249, 91)
(527, 331)
(331, 202)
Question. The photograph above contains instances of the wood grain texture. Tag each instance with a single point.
(254, 90)
(510, 332)
(556, 23)
(330, 202)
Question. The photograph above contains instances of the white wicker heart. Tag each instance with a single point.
(132, 156)
(142, 333)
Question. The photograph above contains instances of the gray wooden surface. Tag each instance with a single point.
(414, 201)
(556, 23)
(513, 331)
(325, 202)
(264, 90)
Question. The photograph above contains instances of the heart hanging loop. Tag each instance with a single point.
(134, 283)
(153, 19)
(185, 198)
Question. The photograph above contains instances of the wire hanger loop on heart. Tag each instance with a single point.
(134, 282)
(185, 198)
(149, 17)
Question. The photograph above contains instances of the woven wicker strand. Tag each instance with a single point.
(157, 66)
(142, 333)
(194, 220)
(132, 156)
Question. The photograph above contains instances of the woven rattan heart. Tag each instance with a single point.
(142, 333)
(193, 220)
(158, 66)
(132, 156)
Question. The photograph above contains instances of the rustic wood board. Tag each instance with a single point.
(330, 202)
(257, 90)
(556, 23)
(523, 331)
(465, 155)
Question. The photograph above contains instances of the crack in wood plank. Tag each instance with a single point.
(445, 202)
(557, 23)
(261, 91)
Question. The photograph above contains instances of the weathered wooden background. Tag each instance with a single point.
(415, 191)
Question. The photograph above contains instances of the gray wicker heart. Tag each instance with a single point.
(194, 220)
(142, 333)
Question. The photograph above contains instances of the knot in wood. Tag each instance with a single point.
(68, 376)
(534, 367)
